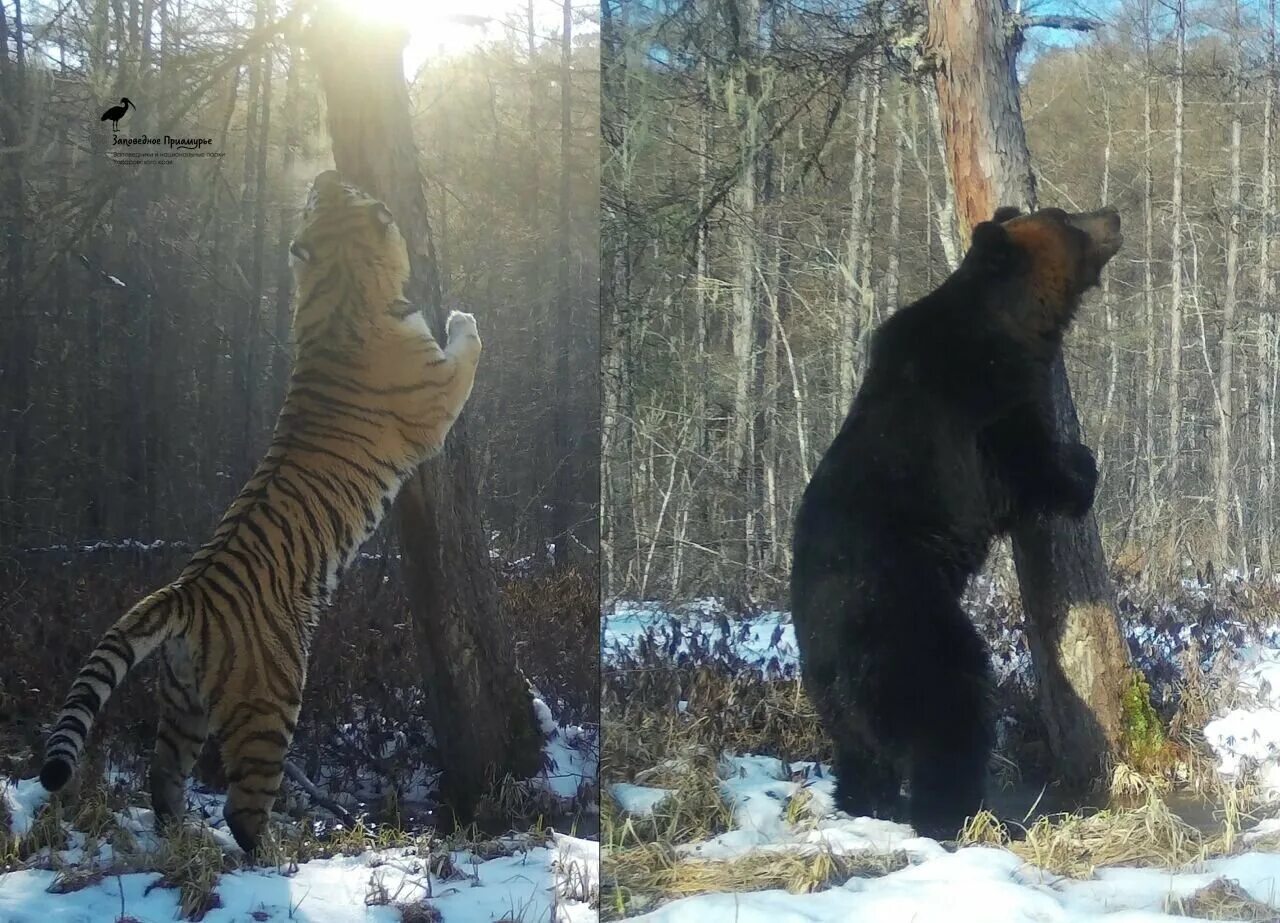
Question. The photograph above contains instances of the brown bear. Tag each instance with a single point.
(949, 442)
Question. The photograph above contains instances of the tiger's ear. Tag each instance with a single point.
(383, 214)
(299, 252)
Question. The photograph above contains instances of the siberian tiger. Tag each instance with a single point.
(371, 396)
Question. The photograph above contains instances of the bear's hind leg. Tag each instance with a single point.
(867, 784)
(948, 777)
(953, 740)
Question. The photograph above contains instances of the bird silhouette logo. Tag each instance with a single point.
(116, 113)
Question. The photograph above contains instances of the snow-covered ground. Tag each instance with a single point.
(553, 883)
(986, 884)
(1247, 737)
(572, 756)
(766, 641)
(973, 883)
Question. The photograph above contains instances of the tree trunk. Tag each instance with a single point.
(891, 281)
(945, 213)
(867, 221)
(1072, 629)
(1148, 287)
(244, 372)
(613, 278)
(845, 314)
(13, 123)
(1109, 321)
(565, 448)
(257, 264)
(1175, 262)
(1227, 343)
(1266, 321)
(280, 352)
(744, 91)
(544, 457)
(478, 701)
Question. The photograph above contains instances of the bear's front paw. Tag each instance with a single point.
(461, 331)
(1080, 479)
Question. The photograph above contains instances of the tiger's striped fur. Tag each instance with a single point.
(371, 396)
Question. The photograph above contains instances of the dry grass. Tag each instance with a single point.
(418, 912)
(8, 842)
(47, 831)
(1150, 836)
(731, 707)
(190, 860)
(1222, 900)
(637, 878)
(740, 713)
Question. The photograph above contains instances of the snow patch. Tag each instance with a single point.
(1248, 737)
(639, 800)
(23, 799)
(546, 883)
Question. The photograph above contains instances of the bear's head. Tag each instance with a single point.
(1037, 266)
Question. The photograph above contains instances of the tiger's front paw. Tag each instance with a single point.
(462, 334)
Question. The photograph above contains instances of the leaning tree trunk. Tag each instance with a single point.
(1072, 629)
(478, 700)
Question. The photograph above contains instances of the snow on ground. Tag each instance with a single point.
(1248, 736)
(543, 883)
(984, 885)
(22, 799)
(980, 884)
(987, 884)
(638, 799)
(553, 883)
(537, 884)
(766, 640)
(572, 754)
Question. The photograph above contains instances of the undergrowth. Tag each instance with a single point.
(682, 696)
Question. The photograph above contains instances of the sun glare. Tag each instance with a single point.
(450, 27)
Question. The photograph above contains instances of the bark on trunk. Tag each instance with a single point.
(1073, 633)
(565, 517)
(1227, 343)
(1148, 284)
(13, 123)
(478, 700)
(1266, 326)
(1175, 261)
(746, 84)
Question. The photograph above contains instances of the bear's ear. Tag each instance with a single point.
(990, 237)
(1005, 212)
(992, 247)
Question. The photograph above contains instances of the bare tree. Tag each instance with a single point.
(479, 703)
(1227, 341)
(1175, 259)
(1073, 633)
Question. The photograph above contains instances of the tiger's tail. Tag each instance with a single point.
(128, 642)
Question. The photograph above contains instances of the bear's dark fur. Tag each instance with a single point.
(948, 443)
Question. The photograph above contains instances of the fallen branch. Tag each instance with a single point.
(299, 777)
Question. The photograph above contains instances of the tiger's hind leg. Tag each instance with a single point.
(255, 738)
(184, 724)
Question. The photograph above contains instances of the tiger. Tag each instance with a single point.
(371, 396)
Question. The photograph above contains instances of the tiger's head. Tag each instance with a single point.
(349, 261)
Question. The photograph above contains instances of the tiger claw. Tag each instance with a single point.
(461, 327)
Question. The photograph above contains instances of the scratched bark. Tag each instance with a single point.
(1073, 632)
